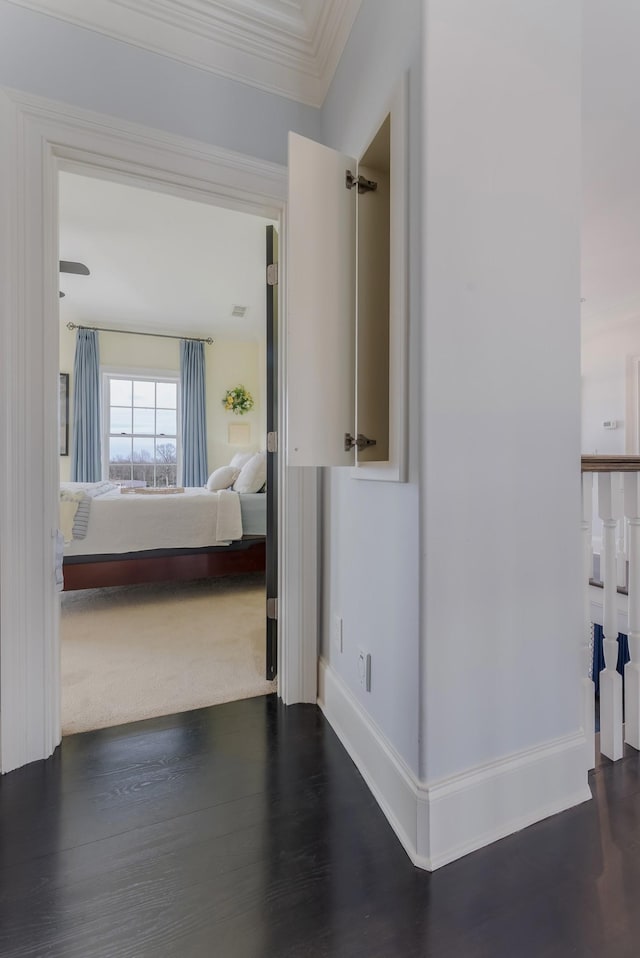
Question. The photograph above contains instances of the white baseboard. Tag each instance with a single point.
(390, 780)
(441, 821)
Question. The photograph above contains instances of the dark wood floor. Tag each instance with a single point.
(245, 831)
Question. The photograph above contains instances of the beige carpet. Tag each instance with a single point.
(134, 652)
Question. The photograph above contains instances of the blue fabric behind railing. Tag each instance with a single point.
(194, 426)
(86, 459)
(598, 654)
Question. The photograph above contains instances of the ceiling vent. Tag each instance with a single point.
(239, 311)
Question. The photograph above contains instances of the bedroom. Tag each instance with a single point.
(163, 608)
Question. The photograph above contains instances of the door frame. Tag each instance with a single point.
(38, 138)
(271, 356)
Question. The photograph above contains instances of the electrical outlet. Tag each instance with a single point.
(337, 633)
(364, 669)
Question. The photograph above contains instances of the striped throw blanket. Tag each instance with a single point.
(74, 515)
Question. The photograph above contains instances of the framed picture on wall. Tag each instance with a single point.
(64, 414)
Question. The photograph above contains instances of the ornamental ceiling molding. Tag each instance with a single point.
(287, 47)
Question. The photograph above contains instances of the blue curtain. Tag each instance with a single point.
(194, 426)
(598, 654)
(86, 459)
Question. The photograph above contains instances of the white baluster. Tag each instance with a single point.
(610, 509)
(621, 554)
(588, 703)
(632, 668)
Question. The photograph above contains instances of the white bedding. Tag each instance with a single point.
(129, 522)
(253, 506)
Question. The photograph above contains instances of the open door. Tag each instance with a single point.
(321, 306)
(338, 303)
(272, 451)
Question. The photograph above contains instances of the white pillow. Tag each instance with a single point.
(222, 478)
(241, 459)
(253, 475)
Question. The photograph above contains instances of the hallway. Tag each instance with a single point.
(244, 831)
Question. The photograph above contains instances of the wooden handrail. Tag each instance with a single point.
(611, 463)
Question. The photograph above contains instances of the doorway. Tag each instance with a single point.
(48, 137)
(162, 612)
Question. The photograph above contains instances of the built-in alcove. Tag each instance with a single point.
(347, 329)
(372, 299)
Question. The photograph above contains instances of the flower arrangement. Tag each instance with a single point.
(238, 400)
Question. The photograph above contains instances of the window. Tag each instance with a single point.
(141, 429)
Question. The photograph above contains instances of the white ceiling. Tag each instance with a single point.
(611, 164)
(159, 262)
(289, 47)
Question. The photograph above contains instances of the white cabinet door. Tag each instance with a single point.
(321, 294)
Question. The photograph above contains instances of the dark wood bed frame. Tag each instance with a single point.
(163, 565)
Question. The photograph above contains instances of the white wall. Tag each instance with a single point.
(501, 390)
(465, 583)
(605, 358)
(370, 530)
(48, 57)
(611, 218)
(611, 159)
(228, 363)
(231, 363)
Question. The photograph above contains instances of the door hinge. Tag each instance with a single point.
(362, 442)
(364, 185)
(272, 274)
(272, 442)
(272, 609)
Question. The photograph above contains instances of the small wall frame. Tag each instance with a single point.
(239, 433)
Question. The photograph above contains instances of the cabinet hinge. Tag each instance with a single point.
(364, 185)
(362, 442)
(272, 442)
(272, 274)
(272, 609)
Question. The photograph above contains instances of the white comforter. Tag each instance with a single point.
(131, 522)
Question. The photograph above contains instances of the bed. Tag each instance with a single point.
(115, 536)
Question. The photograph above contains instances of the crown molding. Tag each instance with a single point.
(287, 47)
(259, 186)
(46, 110)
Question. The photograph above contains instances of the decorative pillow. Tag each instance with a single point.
(222, 478)
(253, 474)
(241, 459)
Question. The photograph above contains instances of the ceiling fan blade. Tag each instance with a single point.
(68, 267)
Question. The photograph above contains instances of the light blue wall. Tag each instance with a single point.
(502, 616)
(370, 530)
(384, 43)
(52, 58)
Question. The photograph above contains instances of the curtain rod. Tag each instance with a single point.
(133, 332)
